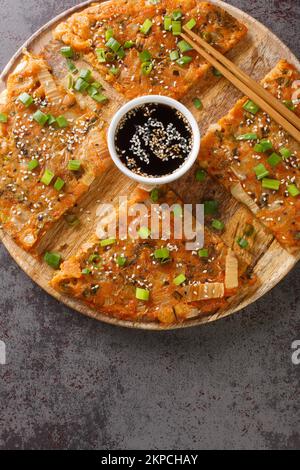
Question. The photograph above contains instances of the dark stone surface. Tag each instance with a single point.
(70, 382)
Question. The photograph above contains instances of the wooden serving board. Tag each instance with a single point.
(257, 55)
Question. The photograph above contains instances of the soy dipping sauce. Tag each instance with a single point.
(154, 140)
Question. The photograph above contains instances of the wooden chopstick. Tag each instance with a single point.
(282, 115)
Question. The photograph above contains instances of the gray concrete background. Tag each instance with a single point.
(71, 382)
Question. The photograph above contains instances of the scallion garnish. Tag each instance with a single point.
(167, 23)
(184, 46)
(200, 175)
(161, 253)
(146, 26)
(184, 60)
(86, 271)
(217, 225)
(261, 171)
(59, 184)
(81, 85)
(176, 28)
(67, 52)
(179, 280)
(243, 243)
(274, 159)
(74, 165)
(109, 34)
(32, 165)
(154, 195)
(40, 117)
(100, 98)
(26, 99)
(62, 121)
(92, 91)
(51, 120)
(113, 44)
(114, 71)
(251, 107)
(289, 104)
(177, 15)
(145, 56)
(250, 136)
(286, 153)
(198, 103)
(107, 242)
(191, 24)
(121, 261)
(203, 253)
(174, 55)
(121, 53)
(85, 74)
(96, 85)
(71, 66)
(128, 44)
(271, 184)
(53, 259)
(47, 177)
(3, 118)
(100, 53)
(210, 207)
(142, 294)
(147, 68)
(263, 146)
(144, 233)
(293, 190)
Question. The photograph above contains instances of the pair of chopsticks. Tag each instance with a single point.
(276, 110)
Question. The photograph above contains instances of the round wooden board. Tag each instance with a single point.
(256, 55)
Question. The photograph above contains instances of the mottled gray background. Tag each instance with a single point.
(71, 382)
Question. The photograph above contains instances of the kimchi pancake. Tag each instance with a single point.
(177, 284)
(50, 151)
(254, 158)
(135, 50)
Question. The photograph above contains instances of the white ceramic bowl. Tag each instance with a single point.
(154, 99)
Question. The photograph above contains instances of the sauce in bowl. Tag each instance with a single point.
(153, 140)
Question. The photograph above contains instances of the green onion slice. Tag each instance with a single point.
(100, 53)
(251, 107)
(3, 118)
(144, 233)
(109, 34)
(107, 242)
(177, 15)
(81, 85)
(85, 74)
(176, 28)
(67, 52)
(286, 153)
(74, 165)
(59, 184)
(184, 46)
(154, 195)
(53, 259)
(146, 26)
(274, 159)
(243, 243)
(217, 225)
(167, 23)
(100, 98)
(114, 71)
(210, 207)
(47, 177)
(174, 55)
(179, 280)
(250, 136)
(198, 103)
(263, 146)
(261, 171)
(147, 68)
(128, 44)
(71, 66)
(32, 165)
(142, 294)
(161, 253)
(113, 44)
(293, 190)
(145, 56)
(271, 184)
(121, 261)
(184, 60)
(200, 175)
(26, 99)
(203, 253)
(40, 117)
(62, 121)
(191, 24)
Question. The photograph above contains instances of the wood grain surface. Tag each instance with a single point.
(256, 55)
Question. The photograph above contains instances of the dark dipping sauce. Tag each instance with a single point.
(154, 140)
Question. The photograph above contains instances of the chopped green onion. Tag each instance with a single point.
(293, 190)
(70, 82)
(261, 171)
(184, 60)
(86, 271)
(251, 107)
(94, 258)
(174, 55)
(191, 24)
(74, 165)
(217, 224)
(85, 74)
(100, 98)
(144, 233)
(121, 261)
(286, 153)
(167, 23)
(263, 146)
(81, 85)
(47, 177)
(147, 68)
(161, 253)
(121, 53)
(177, 210)
(184, 46)
(179, 280)
(113, 44)
(146, 27)
(249, 230)
(59, 184)
(100, 53)
(128, 44)
(32, 165)
(289, 104)
(109, 34)
(154, 195)
(114, 71)
(203, 253)
(270, 184)
(274, 159)
(62, 121)
(250, 136)
(92, 91)
(96, 85)
(67, 52)
(243, 243)
(26, 99)
(177, 15)
(198, 103)
(200, 175)
(71, 66)
(3, 117)
(176, 28)
(51, 120)
(53, 259)
(145, 56)
(217, 72)
(110, 56)
(40, 118)
(108, 242)
(210, 207)
(142, 294)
